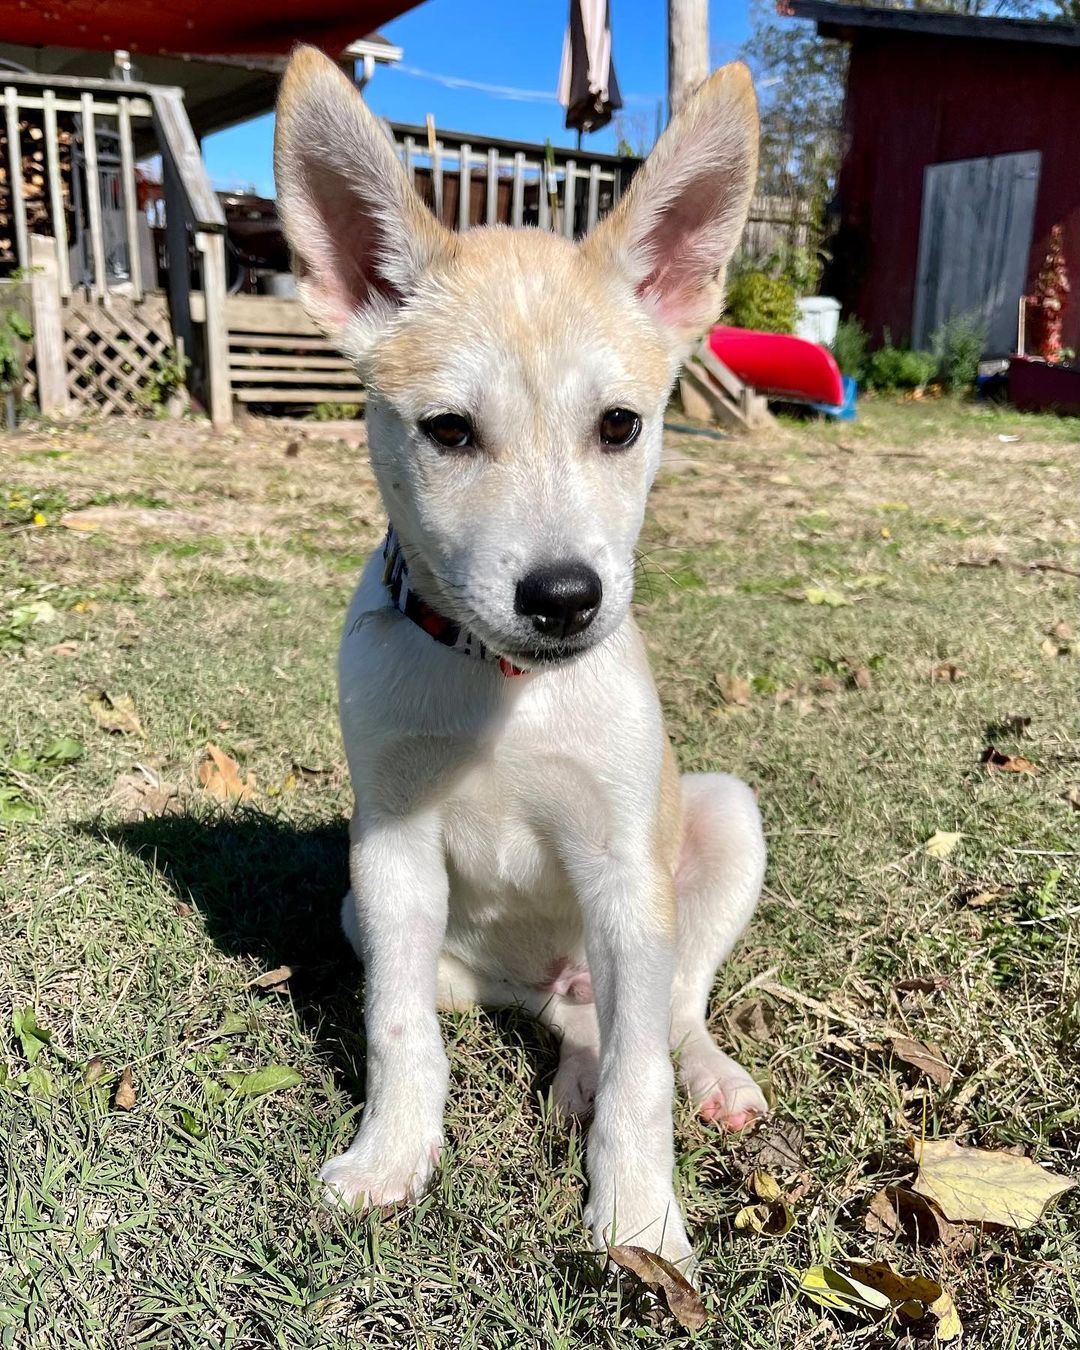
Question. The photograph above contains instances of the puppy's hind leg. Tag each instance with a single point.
(718, 880)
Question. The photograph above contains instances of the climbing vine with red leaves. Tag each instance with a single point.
(1046, 307)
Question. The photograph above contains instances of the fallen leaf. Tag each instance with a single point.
(941, 843)
(734, 690)
(826, 684)
(976, 1185)
(777, 1145)
(813, 595)
(62, 751)
(861, 677)
(828, 1288)
(219, 774)
(949, 1327)
(755, 1018)
(310, 771)
(15, 808)
(271, 1078)
(912, 1296)
(66, 648)
(114, 713)
(663, 1278)
(94, 1070)
(1062, 630)
(29, 615)
(772, 1216)
(1052, 648)
(143, 794)
(895, 1211)
(926, 1058)
(947, 672)
(33, 1038)
(897, 1288)
(994, 758)
(124, 1098)
(271, 979)
(292, 449)
(1072, 796)
(922, 984)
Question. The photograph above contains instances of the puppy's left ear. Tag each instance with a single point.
(674, 231)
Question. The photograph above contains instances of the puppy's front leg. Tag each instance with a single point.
(629, 908)
(400, 890)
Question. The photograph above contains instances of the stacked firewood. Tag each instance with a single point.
(35, 182)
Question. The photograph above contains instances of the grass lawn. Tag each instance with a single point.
(207, 581)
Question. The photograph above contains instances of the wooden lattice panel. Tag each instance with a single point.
(113, 350)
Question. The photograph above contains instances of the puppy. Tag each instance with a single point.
(521, 833)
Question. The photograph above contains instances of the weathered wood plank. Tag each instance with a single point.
(48, 324)
(56, 191)
(277, 376)
(93, 195)
(254, 394)
(286, 361)
(272, 341)
(15, 174)
(216, 333)
(131, 208)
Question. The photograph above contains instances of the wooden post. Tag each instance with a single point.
(47, 319)
(176, 248)
(688, 49)
(216, 331)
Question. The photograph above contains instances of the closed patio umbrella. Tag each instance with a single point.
(588, 89)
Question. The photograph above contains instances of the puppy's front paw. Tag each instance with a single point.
(722, 1091)
(374, 1172)
(655, 1225)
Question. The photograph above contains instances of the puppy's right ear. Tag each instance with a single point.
(360, 235)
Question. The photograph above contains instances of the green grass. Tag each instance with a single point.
(191, 1220)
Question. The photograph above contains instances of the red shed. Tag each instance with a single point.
(960, 155)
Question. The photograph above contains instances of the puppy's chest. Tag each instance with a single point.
(499, 835)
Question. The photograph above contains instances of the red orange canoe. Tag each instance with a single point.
(779, 365)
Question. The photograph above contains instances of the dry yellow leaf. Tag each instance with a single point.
(219, 774)
(124, 1100)
(977, 1185)
(941, 843)
(114, 712)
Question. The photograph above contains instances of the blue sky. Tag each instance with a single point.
(500, 42)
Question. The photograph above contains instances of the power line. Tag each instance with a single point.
(505, 91)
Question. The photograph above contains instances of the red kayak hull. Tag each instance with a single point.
(779, 365)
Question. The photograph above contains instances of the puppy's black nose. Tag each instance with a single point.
(561, 598)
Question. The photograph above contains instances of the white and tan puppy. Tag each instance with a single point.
(521, 834)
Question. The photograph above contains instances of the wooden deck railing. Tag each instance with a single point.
(70, 171)
(482, 180)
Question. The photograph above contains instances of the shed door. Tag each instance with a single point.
(974, 244)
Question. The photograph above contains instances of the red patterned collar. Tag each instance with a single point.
(434, 624)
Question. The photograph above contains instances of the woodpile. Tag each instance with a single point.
(35, 182)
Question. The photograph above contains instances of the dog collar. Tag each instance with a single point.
(445, 631)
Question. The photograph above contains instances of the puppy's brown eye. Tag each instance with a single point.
(449, 431)
(619, 427)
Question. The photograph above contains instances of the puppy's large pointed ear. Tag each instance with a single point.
(682, 217)
(359, 233)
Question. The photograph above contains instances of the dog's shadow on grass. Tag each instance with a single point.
(270, 889)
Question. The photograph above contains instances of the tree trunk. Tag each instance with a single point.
(688, 49)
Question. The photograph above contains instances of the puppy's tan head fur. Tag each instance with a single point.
(526, 337)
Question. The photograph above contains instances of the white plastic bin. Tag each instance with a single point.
(819, 318)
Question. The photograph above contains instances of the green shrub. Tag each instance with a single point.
(895, 368)
(850, 348)
(958, 346)
(756, 300)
